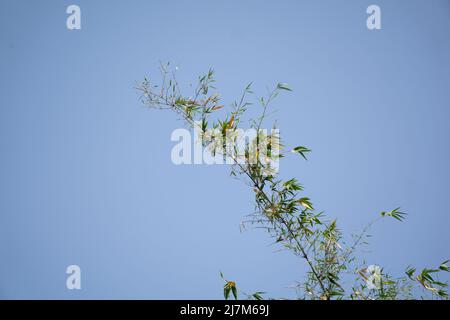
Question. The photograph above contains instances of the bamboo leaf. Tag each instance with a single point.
(283, 86)
(301, 150)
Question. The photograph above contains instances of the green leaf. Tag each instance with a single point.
(306, 202)
(442, 293)
(292, 185)
(410, 272)
(444, 266)
(230, 286)
(226, 292)
(440, 284)
(336, 293)
(396, 214)
(283, 86)
(301, 151)
(257, 295)
(234, 290)
(427, 271)
(248, 88)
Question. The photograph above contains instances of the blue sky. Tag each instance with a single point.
(86, 175)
